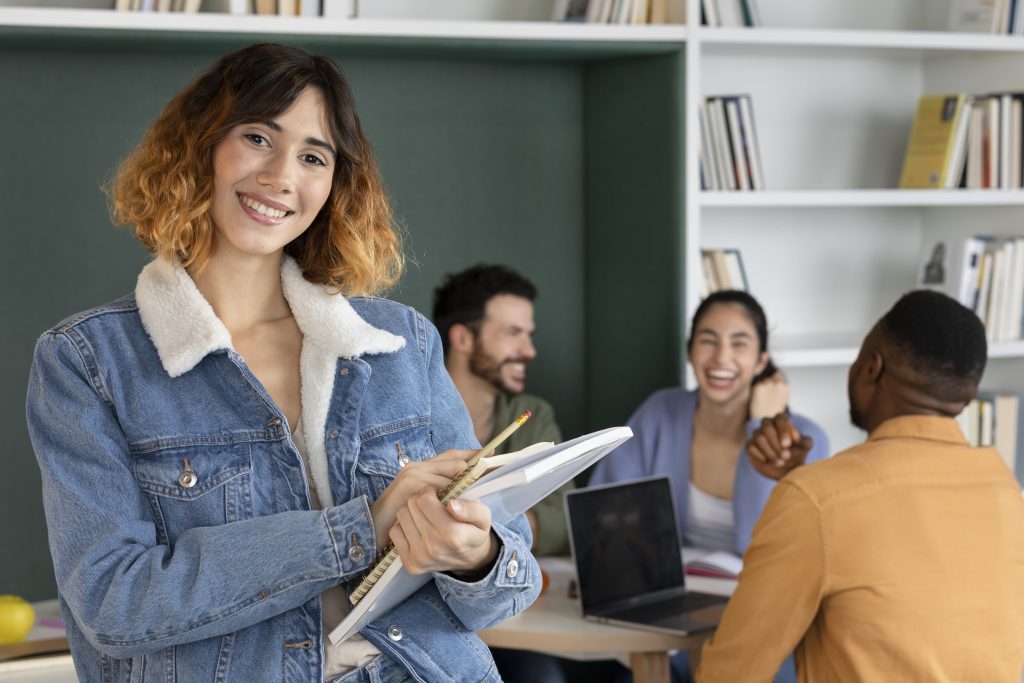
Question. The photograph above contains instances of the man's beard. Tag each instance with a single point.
(485, 366)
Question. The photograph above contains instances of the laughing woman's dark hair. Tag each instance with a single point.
(164, 188)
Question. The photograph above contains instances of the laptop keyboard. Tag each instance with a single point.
(668, 611)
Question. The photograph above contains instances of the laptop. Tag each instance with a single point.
(629, 566)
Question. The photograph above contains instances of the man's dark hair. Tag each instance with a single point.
(462, 297)
(942, 341)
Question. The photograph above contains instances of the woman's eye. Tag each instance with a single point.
(255, 138)
(313, 159)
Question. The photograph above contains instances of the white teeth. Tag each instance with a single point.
(263, 208)
(720, 375)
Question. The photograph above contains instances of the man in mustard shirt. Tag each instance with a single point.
(900, 559)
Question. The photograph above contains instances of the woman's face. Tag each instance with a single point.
(725, 355)
(271, 178)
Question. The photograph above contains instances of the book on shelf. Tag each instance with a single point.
(717, 564)
(620, 11)
(951, 266)
(994, 419)
(985, 274)
(722, 269)
(963, 140)
(999, 301)
(975, 15)
(730, 13)
(570, 10)
(928, 162)
(516, 482)
(729, 153)
(1005, 17)
(739, 153)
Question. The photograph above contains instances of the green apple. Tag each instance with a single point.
(16, 619)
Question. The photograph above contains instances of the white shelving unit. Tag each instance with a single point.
(829, 246)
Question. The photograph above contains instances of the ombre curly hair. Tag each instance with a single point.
(164, 189)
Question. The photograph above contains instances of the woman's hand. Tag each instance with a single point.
(431, 536)
(435, 473)
(776, 447)
(769, 397)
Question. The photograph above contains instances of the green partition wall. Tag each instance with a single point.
(563, 161)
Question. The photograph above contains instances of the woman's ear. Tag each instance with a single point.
(762, 363)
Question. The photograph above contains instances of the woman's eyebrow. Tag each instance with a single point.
(316, 142)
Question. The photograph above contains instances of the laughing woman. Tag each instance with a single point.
(225, 449)
(697, 437)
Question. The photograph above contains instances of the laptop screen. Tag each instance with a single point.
(624, 540)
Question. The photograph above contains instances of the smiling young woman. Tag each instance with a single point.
(227, 447)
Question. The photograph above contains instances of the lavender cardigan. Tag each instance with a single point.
(662, 434)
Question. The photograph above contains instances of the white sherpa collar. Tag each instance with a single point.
(185, 329)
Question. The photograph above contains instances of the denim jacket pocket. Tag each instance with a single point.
(385, 450)
(196, 486)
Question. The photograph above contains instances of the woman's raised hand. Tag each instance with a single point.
(769, 397)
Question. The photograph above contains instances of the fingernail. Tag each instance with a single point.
(455, 505)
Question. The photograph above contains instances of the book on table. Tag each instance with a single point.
(509, 485)
(717, 564)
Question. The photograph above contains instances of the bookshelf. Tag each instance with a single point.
(830, 244)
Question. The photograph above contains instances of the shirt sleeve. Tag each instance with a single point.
(779, 592)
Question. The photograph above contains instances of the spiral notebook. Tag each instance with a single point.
(525, 478)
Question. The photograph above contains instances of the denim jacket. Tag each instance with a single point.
(178, 506)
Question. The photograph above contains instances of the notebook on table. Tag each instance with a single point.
(629, 566)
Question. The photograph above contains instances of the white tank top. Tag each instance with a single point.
(710, 523)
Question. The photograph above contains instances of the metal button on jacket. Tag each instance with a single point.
(188, 477)
(403, 459)
(512, 568)
(356, 551)
(394, 633)
(343, 372)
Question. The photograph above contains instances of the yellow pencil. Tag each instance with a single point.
(499, 439)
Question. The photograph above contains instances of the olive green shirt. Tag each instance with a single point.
(552, 536)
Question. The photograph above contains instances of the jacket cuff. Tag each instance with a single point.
(351, 529)
(511, 569)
